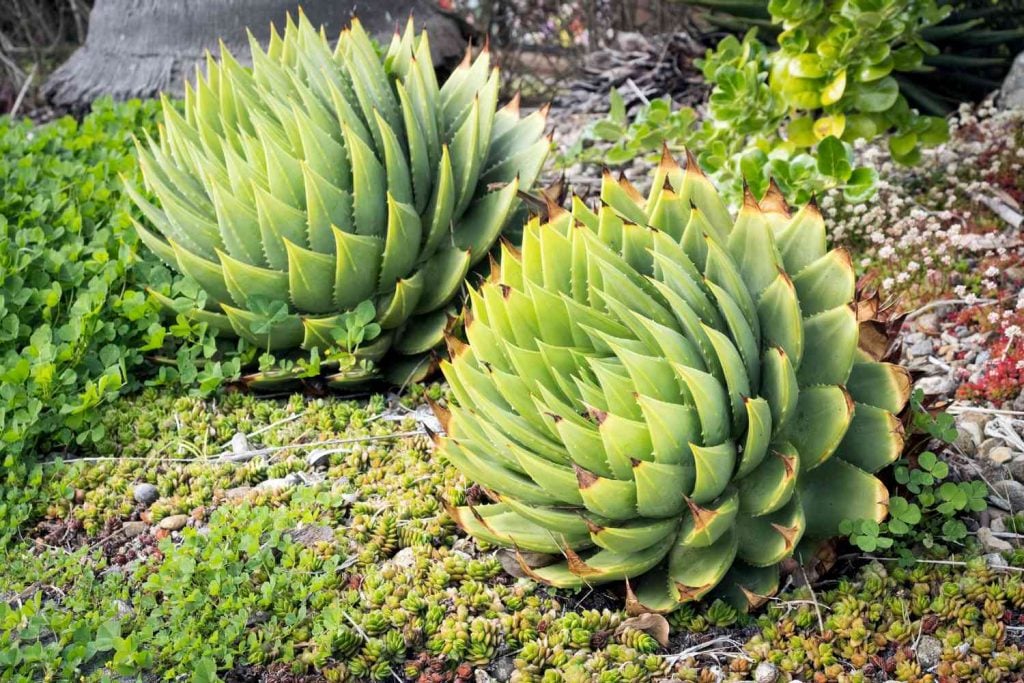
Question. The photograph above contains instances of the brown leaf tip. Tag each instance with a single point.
(788, 462)
(691, 163)
(443, 415)
(702, 516)
(691, 593)
(789, 534)
(667, 161)
(576, 564)
(754, 600)
(774, 201)
(585, 478)
(456, 347)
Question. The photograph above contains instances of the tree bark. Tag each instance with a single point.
(139, 48)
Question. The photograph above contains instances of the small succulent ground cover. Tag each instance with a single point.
(273, 568)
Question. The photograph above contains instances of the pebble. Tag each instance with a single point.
(133, 529)
(928, 323)
(124, 610)
(237, 493)
(312, 535)
(1018, 403)
(988, 445)
(1000, 455)
(970, 429)
(318, 458)
(510, 563)
(405, 558)
(1009, 495)
(173, 523)
(929, 652)
(936, 386)
(991, 542)
(239, 443)
(503, 668)
(922, 348)
(766, 672)
(146, 494)
(1016, 468)
(995, 561)
(911, 338)
(275, 485)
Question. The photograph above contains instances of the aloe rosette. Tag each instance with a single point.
(323, 178)
(656, 392)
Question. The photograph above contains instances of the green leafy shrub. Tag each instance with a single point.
(71, 319)
(335, 198)
(790, 114)
(835, 67)
(966, 57)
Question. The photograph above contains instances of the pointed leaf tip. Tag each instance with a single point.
(789, 535)
(691, 164)
(585, 478)
(774, 201)
(443, 415)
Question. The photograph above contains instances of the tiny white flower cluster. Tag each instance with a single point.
(919, 224)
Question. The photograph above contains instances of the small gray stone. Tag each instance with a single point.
(510, 561)
(987, 445)
(995, 560)
(766, 672)
(938, 385)
(312, 535)
(922, 348)
(1011, 95)
(240, 443)
(929, 323)
(405, 558)
(481, 676)
(275, 485)
(970, 429)
(1000, 455)
(1018, 403)
(237, 493)
(133, 529)
(146, 494)
(991, 542)
(1016, 468)
(911, 338)
(174, 522)
(1009, 495)
(124, 610)
(503, 668)
(318, 458)
(929, 651)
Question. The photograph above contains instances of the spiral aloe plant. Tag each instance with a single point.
(659, 393)
(325, 178)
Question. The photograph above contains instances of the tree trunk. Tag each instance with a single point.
(139, 48)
